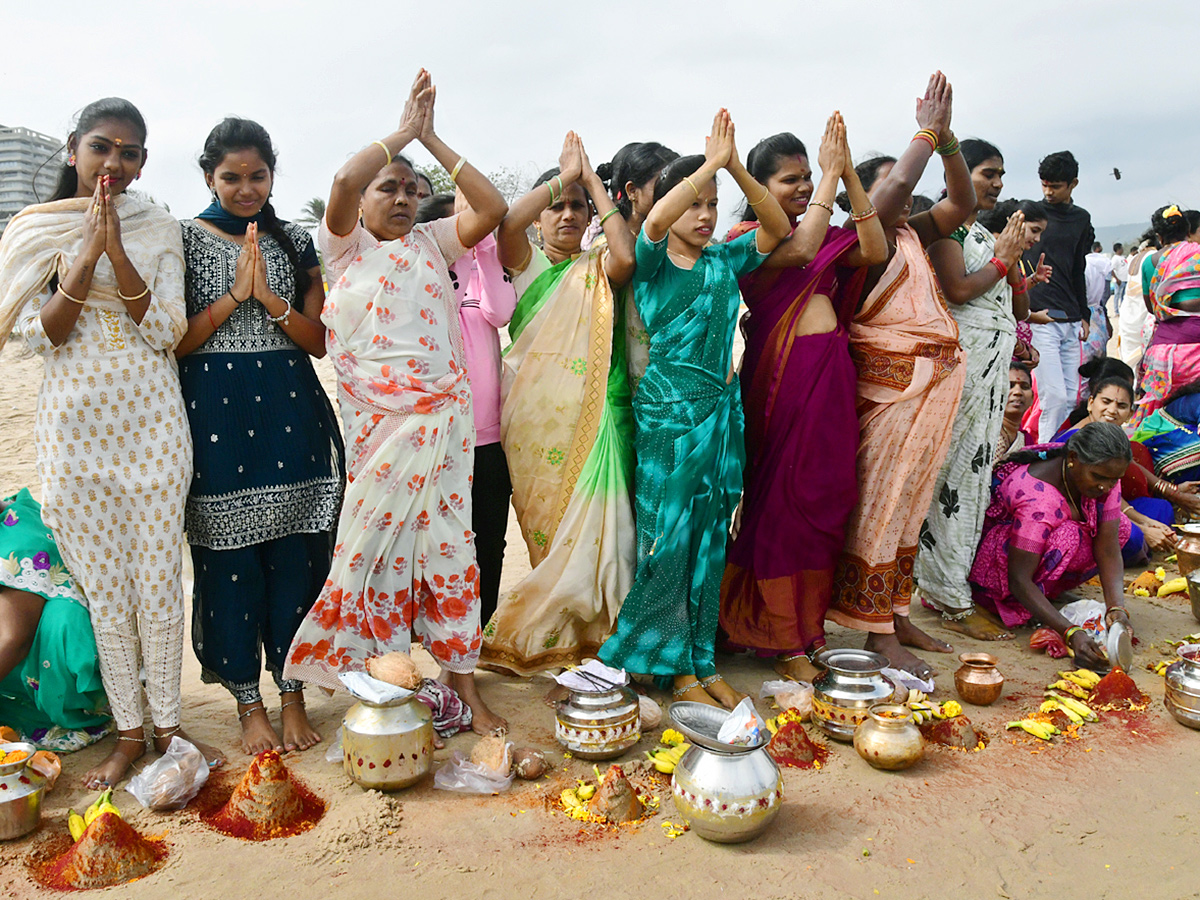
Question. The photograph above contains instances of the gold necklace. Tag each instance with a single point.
(1067, 487)
(681, 256)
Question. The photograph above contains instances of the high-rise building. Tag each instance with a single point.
(23, 177)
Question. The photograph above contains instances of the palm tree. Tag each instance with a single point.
(311, 213)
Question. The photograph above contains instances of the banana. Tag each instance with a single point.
(1079, 707)
(585, 791)
(918, 716)
(1069, 688)
(570, 799)
(1042, 730)
(75, 824)
(1079, 679)
(1053, 705)
(1089, 676)
(772, 726)
(94, 810)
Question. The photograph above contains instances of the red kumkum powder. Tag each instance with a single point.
(1116, 688)
(267, 803)
(110, 852)
(791, 746)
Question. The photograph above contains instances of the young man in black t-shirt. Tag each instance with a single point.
(1059, 313)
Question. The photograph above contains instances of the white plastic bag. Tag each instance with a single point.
(334, 753)
(460, 774)
(1088, 615)
(906, 681)
(742, 726)
(797, 695)
(173, 779)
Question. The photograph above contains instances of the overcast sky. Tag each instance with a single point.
(1116, 82)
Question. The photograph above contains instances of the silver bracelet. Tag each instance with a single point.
(283, 319)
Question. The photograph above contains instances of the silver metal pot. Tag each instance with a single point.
(21, 790)
(1182, 697)
(598, 724)
(726, 793)
(387, 746)
(851, 684)
(1193, 583)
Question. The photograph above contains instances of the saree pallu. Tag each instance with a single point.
(1174, 447)
(566, 424)
(987, 333)
(910, 378)
(404, 558)
(689, 479)
(1172, 358)
(798, 392)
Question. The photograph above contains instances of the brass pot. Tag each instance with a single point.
(888, 738)
(387, 746)
(977, 680)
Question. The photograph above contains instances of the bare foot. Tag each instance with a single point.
(889, 645)
(483, 720)
(298, 733)
(556, 693)
(130, 747)
(257, 733)
(797, 668)
(693, 694)
(911, 636)
(162, 740)
(980, 626)
(720, 691)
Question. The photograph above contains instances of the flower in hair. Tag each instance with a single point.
(1171, 211)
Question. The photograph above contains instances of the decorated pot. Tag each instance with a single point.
(387, 746)
(1182, 697)
(727, 797)
(851, 684)
(598, 724)
(977, 680)
(21, 790)
(888, 738)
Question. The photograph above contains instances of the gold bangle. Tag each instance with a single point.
(69, 297)
(457, 168)
(386, 152)
(144, 292)
(688, 182)
(760, 199)
(604, 217)
(864, 215)
(822, 204)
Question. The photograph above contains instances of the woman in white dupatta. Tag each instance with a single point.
(404, 558)
(93, 282)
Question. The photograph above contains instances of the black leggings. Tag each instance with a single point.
(490, 493)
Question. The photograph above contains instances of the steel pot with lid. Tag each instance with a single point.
(599, 724)
(852, 683)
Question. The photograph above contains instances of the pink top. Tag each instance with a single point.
(486, 302)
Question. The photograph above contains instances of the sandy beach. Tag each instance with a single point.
(1114, 814)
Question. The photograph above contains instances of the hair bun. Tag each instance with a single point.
(604, 172)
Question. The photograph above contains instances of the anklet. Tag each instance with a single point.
(141, 740)
(708, 682)
(284, 706)
(680, 691)
(789, 657)
(957, 616)
(170, 733)
(252, 709)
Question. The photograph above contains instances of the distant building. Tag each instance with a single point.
(22, 152)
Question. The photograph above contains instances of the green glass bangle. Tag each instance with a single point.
(604, 218)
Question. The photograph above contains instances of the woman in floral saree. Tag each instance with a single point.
(404, 559)
(566, 422)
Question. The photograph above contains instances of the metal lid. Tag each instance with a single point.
(701, 723)
(853, 662)
(1120, 646)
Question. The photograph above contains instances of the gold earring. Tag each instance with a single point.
(537, 228)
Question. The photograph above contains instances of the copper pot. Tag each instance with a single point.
(977, 680)
(1187, 556)
(888, 738)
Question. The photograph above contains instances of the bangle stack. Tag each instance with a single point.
(926, 134)
(949, 148)
(864, 215)
(822, 204)
(1022, 288)
(1000, 266)
(283, 319)
(1069, 632)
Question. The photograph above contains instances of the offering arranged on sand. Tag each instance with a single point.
(267, 803)
(110, 851)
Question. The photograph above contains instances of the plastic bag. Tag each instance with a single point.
(907, 681)
(334, 753)
(1088, 615)
(742, 726)
(460, 774)
(173, 779)
(797, 695)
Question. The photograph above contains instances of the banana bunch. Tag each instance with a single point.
(915, 696)
(1042, 730)
(1069, 687)
(923, 711)
(1174, 586)
(1078, 707)
(1085, 678)
(666, 759)
(102, 805)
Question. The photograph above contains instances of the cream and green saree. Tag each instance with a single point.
(566, 425)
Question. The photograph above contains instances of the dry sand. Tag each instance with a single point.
(1114, 815)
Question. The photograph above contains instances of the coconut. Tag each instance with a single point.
(650, 712)
(529, 763)
(395, 668)
(492, 753)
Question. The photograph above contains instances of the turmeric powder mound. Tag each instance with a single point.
(110, 852)
(1116, 689)
(267, 803)
(1146, 580)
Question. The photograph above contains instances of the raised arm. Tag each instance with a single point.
(512, 238)
(679, 199)
(773, 224)
(872, 246)
(620, 262)
(801, 247)
(486, 205)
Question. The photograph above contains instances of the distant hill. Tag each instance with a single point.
(1108, 235)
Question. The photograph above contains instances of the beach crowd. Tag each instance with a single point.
(924, 412)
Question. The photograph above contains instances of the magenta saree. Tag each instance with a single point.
(798, 391)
